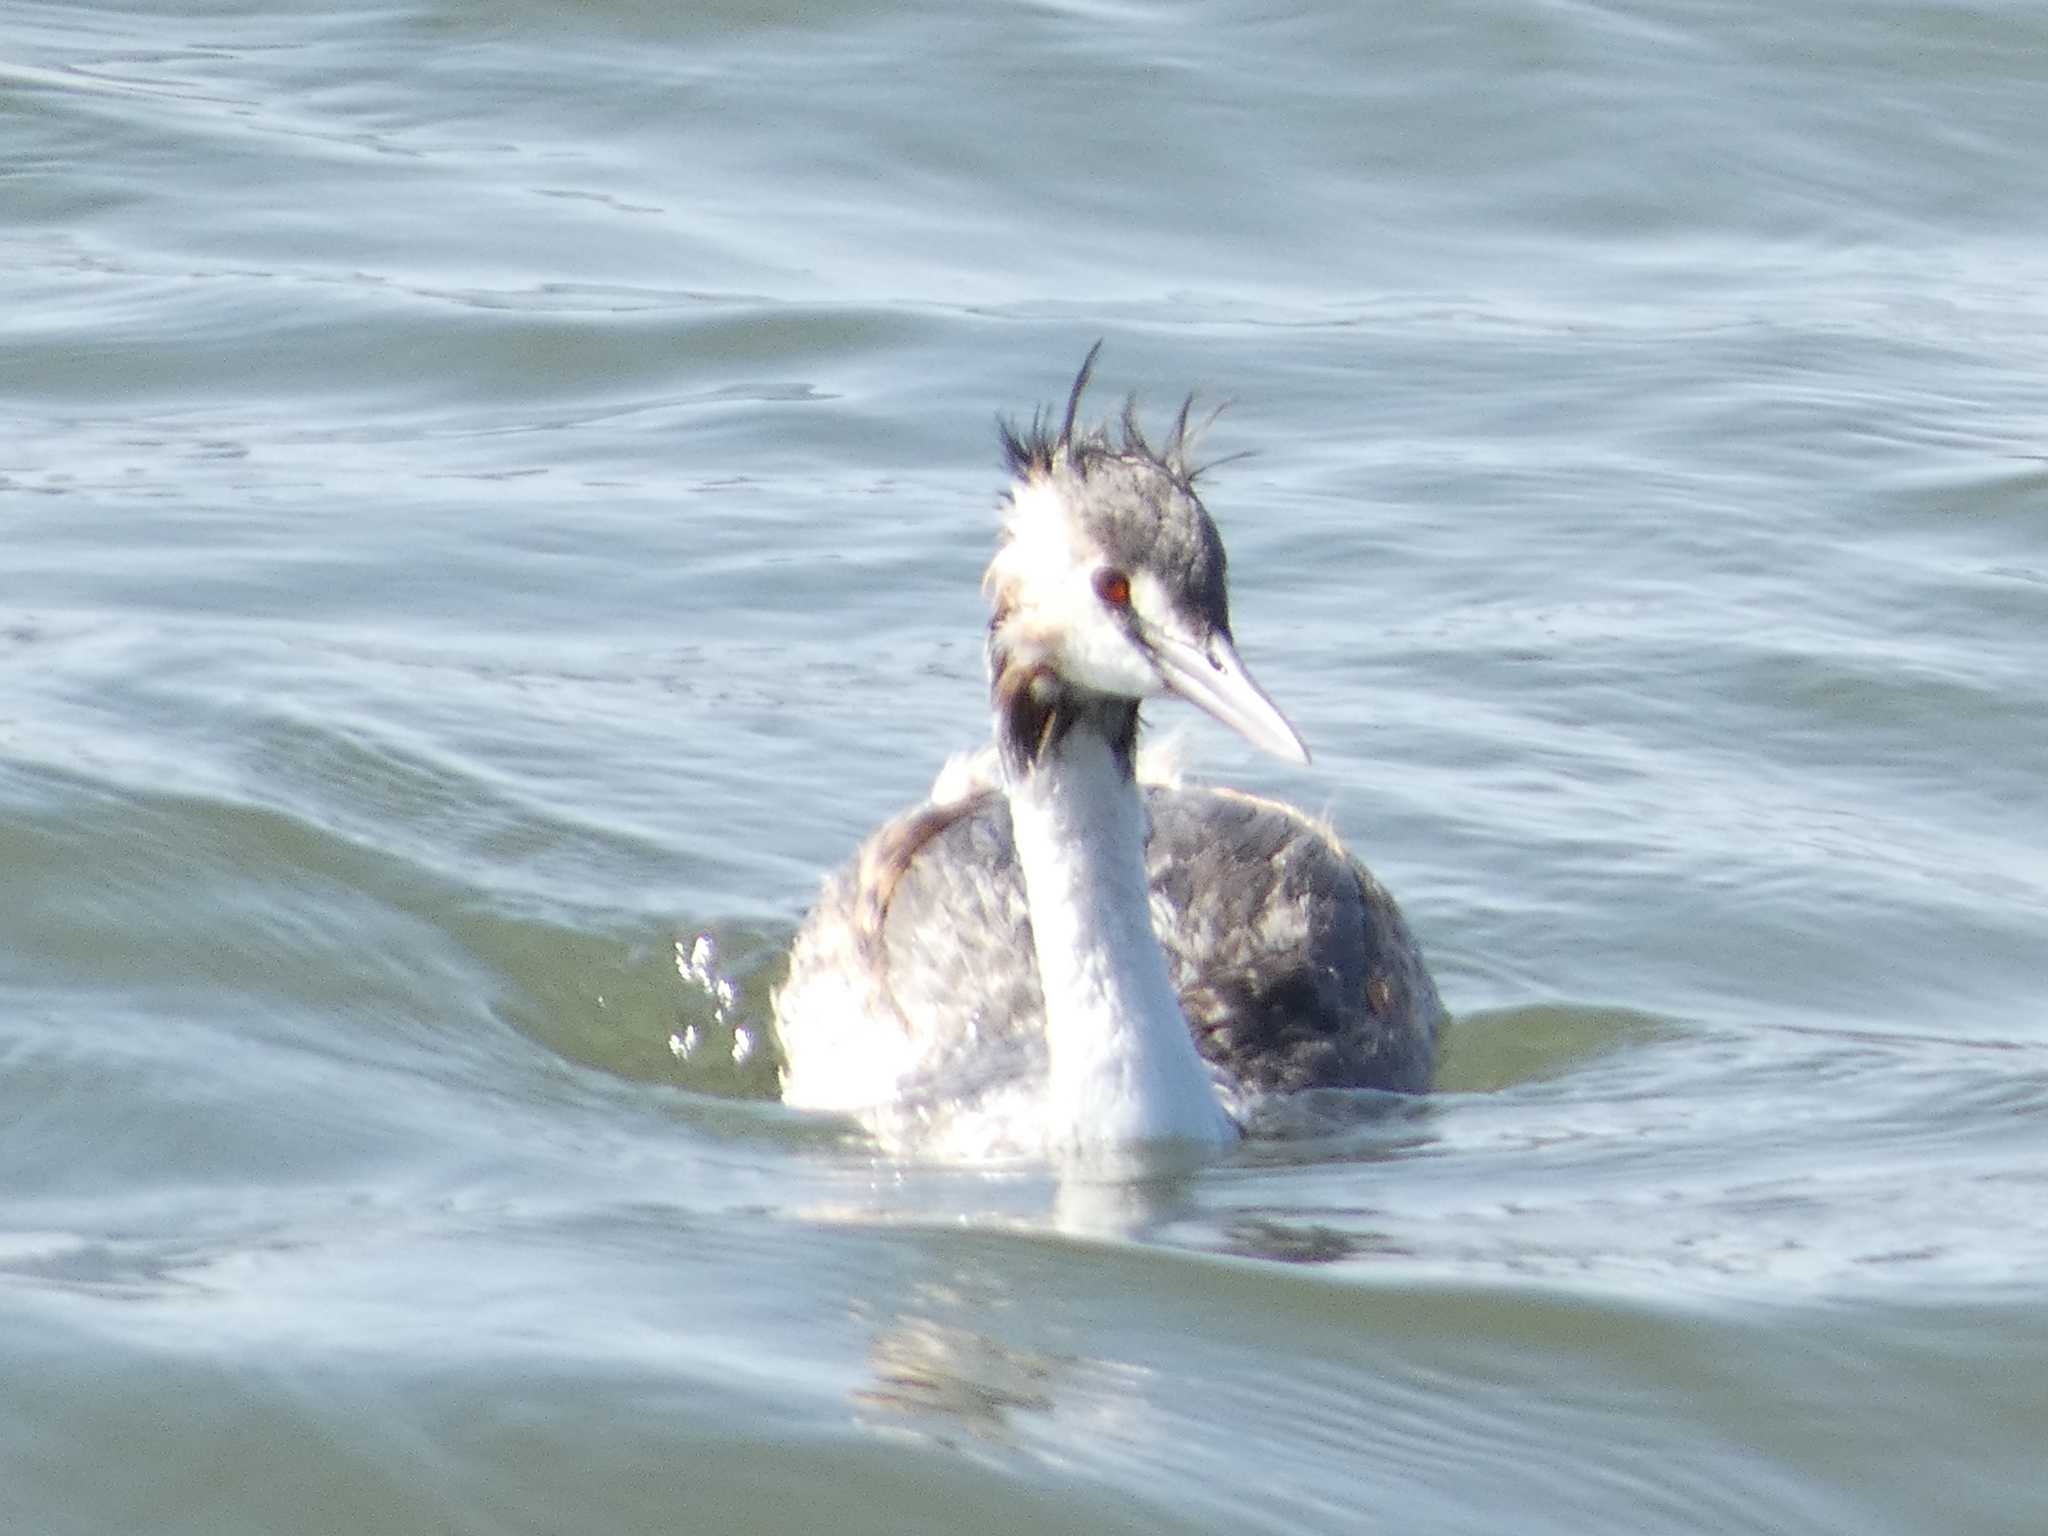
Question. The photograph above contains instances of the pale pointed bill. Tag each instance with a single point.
(1211, 676)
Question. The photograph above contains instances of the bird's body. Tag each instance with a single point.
(1050, 955)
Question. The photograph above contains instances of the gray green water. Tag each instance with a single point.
(489, 491)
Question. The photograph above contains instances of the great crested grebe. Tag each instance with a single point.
(1052, 955)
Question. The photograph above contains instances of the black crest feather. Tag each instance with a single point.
(1037, 449)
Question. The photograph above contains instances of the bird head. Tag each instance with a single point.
(1109, 580)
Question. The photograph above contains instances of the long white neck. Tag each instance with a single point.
(1123, 1068)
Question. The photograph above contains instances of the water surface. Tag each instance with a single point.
(490, 493)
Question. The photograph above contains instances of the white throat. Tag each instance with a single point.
(1123, 1069)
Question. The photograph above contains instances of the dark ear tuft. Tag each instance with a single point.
(1023, 451)
(1177, 444)
(1134, 444)
(1031, 450)
(1080, 388)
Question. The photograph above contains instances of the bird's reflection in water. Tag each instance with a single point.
(980, 1357)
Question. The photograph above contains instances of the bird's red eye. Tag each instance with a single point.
(1114, 588)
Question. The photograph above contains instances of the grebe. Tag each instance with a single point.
(1052, 955)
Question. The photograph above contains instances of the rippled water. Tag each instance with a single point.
(489, 493)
